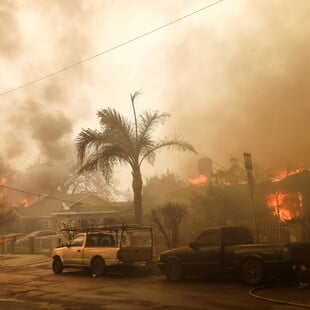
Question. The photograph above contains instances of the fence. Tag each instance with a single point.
(31, 245)
(266, 230)
(273, 230)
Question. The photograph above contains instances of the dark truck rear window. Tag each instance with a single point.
(232, 236)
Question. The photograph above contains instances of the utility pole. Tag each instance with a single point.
(251, 183)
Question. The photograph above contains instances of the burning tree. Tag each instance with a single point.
(120, 141)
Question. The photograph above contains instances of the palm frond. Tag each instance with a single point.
(175, 144)
(104, 160)
(116, 152)
(146, 123)
(113, 122)
(97, 163)
(86, 141)
(135, 94)
(90, 165)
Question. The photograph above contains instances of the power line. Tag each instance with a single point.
(109, 49)
(36, 194)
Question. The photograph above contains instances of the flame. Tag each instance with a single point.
(3, 181)
(25, 202)
(201, 180)
(284, 173)
(285, 205)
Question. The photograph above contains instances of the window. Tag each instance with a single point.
(107, 241)
(209, 238)
(92, 240)
(77, 241)
(233, 236)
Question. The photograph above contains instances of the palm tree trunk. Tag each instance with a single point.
(137, 194)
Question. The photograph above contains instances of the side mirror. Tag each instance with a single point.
(193, 245)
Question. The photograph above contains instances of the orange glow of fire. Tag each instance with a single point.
(201, 180)
(3, 181)
(284, 173)
(285, 205)
(25, 202)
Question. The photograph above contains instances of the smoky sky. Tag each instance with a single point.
(10, 38)
(43, 119)
(247, 91)
(234, 78)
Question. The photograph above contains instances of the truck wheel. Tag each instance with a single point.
(57, 265)
(97, 267)
(173, 270)
(253, 272)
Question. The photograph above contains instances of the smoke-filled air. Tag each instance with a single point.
(233, 77)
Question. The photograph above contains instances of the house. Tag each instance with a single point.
(64, 211)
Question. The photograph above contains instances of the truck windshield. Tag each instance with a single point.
(233, 236)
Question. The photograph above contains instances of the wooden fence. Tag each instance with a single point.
(264, 230)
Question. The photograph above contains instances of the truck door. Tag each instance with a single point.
(207, 251)
(73, 254)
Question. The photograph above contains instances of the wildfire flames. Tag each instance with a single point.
(25, 202)
(201, 180)
(284, 173)
(285, 205)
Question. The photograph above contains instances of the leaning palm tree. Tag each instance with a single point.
(120, 141)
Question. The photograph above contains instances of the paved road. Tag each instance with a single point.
(39, 288)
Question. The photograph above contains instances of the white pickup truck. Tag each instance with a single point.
(101, 248)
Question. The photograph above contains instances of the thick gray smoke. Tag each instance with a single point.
(38, 122)
(247, 90)
(234, 78)
(44, 118)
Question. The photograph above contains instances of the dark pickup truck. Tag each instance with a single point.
(231, 249)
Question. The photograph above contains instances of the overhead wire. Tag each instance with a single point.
(36, 194)
(89, 59)
(66, 68)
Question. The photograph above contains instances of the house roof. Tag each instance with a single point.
(77, 203)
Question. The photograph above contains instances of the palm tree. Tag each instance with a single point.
(120, 141)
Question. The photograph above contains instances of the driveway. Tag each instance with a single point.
(38, 288)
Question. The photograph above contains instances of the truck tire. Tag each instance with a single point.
(253, 271)
(97, 267)
(173, 270)
(57, 265)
